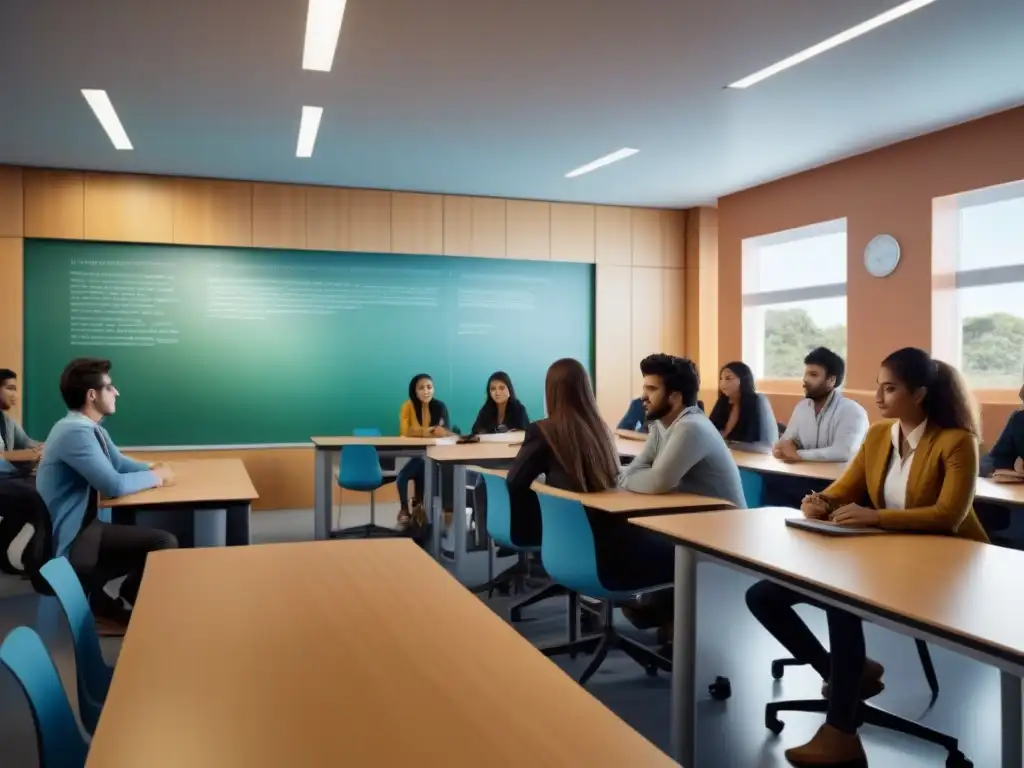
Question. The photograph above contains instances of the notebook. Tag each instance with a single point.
(830, 529)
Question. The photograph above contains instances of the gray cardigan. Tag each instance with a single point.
(16, 440)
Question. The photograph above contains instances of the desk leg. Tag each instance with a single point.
(1009, 689)
(322, 493)
(236, 526)
(684, 659)
(436, 520)
(459, 535)
(209, 527)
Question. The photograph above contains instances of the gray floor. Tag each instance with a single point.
(731, 734)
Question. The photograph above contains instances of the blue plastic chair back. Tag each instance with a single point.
(499, 511)
(366, 432)
(360, 468)
(753, 488)
(61, 744)
(92, 671)
(568, 549)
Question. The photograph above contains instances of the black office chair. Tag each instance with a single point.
(871, 714)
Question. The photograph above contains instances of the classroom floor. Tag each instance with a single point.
(732, 644)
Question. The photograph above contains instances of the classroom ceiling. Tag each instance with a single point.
(497, 98)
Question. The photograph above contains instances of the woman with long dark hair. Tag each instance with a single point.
(740, 413)
(502, 411)
(422, 415)
(918, 468)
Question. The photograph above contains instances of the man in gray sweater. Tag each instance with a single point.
(12, 436)
(683, 452)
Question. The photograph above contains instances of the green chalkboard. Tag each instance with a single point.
(228, 346)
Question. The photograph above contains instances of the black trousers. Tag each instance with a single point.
(772, 605)
(103, 552)
(20, 505)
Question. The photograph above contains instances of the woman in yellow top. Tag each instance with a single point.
(917, 468)
(420, 416)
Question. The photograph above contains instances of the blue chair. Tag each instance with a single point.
(569, 554)
(360, 470)
(91, 670)
(753, 488)
(59, 740)
(499, 528)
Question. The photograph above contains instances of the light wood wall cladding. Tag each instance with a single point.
(213, 212)
(12, 337)
(327, 219)
(128, 208)
(369, 225)
(54, 204)
(417, 223)
(528, 229)
(278, 216)
(573, 232)
(12, 207)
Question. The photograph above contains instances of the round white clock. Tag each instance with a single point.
(882, 255)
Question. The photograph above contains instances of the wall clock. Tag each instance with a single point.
(882, 255)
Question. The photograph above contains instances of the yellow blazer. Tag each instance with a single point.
(408, 425)
(940, 489)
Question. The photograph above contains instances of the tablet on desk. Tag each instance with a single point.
(829, 528)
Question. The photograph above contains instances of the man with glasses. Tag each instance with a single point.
(80, 462)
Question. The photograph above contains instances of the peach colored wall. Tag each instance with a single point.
(887, 190)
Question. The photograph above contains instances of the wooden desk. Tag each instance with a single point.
(328, 449)
(25, 454)
(217, 492)
(824, 470)
(223, 667)
(943, 589)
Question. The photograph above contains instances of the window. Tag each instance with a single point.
(794, 297)
(990, 286)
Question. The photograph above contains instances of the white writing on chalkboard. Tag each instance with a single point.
(113, 307)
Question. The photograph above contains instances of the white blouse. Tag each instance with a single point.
(894, 491)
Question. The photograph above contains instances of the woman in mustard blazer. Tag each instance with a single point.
(915, 471)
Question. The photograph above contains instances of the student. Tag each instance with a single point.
(634, 419)
(740, 414)
(825, 426)
(917, 467)
(1007, 455)
(12, 436)
(420, 416)
(684, 451)
(502, 411)
(82, 461)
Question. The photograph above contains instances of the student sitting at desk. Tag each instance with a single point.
(918, 469)
(740, 414)
(1007, 455)
(12, 436)
(635, 417)
(422, 415)
(502, 411)
(80, 461)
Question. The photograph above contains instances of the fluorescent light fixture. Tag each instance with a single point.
(307, 130)
(104, 111)
(323, 26)
(836, 40)
(620, 154)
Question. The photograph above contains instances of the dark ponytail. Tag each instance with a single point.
(947, 402)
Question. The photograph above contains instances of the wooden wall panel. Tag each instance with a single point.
(673, 238)
(458, 225)
(614, 237)
(129, 209)
(12, 313)
(673, 312)
(489, 228)
(369, 221)
(417, 223)
(645, 228)
(208, 212)
(327, 219)
(572, 232)
(12, 207)
(614, 380)
(528, 230)
(646, 318)
(278, 216)
(54, 204)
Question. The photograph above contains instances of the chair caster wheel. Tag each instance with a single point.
(778, 670)
(721, 689)
(958, 760)
(773, 724)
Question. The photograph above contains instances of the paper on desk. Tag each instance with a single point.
(829, 528)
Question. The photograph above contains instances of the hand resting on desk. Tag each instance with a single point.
(165, 473)
(816, 507)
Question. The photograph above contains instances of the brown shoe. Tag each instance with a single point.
(870, 681)
(830, 748)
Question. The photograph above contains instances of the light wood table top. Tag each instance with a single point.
(492, 450)
(339, 653)
(765, 462)
(202, 481)
(1009, 493)
(378, 441)
(622, 502)
(956, 587)
(25, 454)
